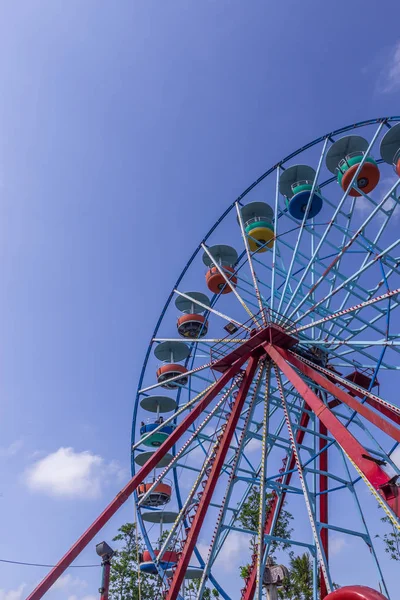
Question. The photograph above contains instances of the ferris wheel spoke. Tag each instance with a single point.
(321, 274)
(343, 243)
(335, 354)
(303, 223)
(250, 263)
(212, 310)
(339, 206)
(205, 341)
(350, 279)
(301, 295)
(175, 378)
(378, 449)
(263, 487)
(345, 398)
(167, 421)
(181, 452)
(275, 246)
(347, 311)
(378, 236)
(349, 285)
(245, 495)
(360, 512)
(229, 489)
(370, 471)
(289, 286)
(372, 323)
(278, 497)
(336, 342)
(355, 238)
(229, 283)
(281, 270)
(342, 324)
(210, 482)
(311, 516)
(390, 410)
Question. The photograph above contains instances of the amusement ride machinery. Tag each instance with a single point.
(278, 373)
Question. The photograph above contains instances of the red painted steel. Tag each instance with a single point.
(323, 501)
(131, 486)
(274, 334)
(355, 592)
(379, 407)
(344, 397)
(211, 482)
(105, 584)
(385, 410)
(375, 475)
(275, 507)
(361, 379)
(390, 411)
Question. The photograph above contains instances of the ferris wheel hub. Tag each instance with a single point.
(272, 333)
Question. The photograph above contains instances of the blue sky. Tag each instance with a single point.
(126, 128)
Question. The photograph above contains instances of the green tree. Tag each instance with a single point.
(124, 578)
(299, 584)
(248, 518)
(391, 540)
(193, 587)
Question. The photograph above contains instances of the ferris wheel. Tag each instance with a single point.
(268, 369)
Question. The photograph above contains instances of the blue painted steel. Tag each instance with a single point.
(340, 327)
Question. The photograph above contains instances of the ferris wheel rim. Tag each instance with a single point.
(339, 131)
(269, 171)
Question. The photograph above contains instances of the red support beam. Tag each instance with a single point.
(391, 412)
(131, 486)
(323, 501)
(381, 408)
(276, 506)
(343, 396)
(356, 452)
(211, 482)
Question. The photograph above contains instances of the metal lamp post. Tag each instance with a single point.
(106, 553)
(273, 578)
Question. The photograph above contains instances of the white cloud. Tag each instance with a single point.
(364, 207)
(70, 587)
(66, 582)
(253, 445)
(69, 474)
(235, 551)
(390, 203)
(13, 594)
(390, 78)
(11, 450)
(336, 544)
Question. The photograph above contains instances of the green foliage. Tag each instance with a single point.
(163, 537)
(299, 584)
(248, 518)
(391, 540)
(193, 587)
(245, 571)
(124, 583)
(124, 569)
